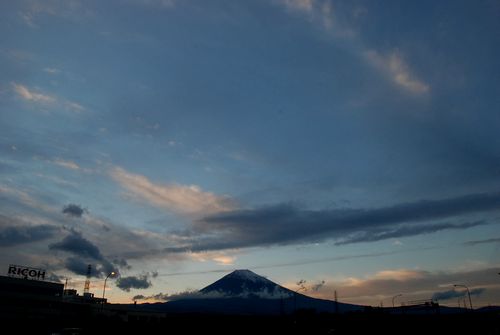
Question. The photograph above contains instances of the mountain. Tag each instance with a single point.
(244, 292)
(246, 284)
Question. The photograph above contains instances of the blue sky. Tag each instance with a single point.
(351, 142)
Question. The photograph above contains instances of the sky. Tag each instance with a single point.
(351, 145)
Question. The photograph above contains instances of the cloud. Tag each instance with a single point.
(73, 210)
(51, 70)
(78, 266)
(15, 235)
(318, 12)
(162, 4)
(318, 286)
(412, 284)
(299, 5)
(177, 198)
(46, 100)
(489, 240)
(341, 26)
(33, 10)
(76, 244)
(29, 95)
(98, 269)
(399, 275)
(394, 66)
(382, 234)
(450, 294)
(136, 282)
(224, 260)
(220, 258)
(285, 223)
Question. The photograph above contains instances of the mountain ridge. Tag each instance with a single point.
(243, 292)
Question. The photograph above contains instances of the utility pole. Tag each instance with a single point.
(336, 302)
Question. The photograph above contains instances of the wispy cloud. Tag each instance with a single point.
(320, 12)
(391, 64)
(66, 164)
(485, 241)
(394, 66)
(32, 10)
(184, 199)
(220, 258)
(224, 260)
(51, 70)
(30, 95)
(299, 5)
(412, 284)
(400, 274)
(46, 100)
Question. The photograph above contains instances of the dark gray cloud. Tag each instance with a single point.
(450, 294)
(98, 269)
(136, 282)
(76, 244)
(138, 297)
(14, 235)
(403, 231)
(74, 210)
(318, 286)
(488, 240)
(77, 266)
(288, 224)
(84, 250)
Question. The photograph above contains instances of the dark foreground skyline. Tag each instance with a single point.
(241, 302)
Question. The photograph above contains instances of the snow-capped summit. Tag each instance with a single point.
(247, 275)
(245, 284)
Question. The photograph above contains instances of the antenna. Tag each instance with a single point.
(87, 281)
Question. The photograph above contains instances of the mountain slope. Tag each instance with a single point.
(246, 284)
(244, 292)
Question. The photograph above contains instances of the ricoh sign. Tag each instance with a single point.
(19, 271)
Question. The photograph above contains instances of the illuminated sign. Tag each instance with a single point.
(19, 271)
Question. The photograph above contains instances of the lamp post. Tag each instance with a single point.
(112, 273)
(397, 295)
(468, 293)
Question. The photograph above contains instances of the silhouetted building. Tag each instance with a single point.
(71, 295)
(19, 288)
(23, 297)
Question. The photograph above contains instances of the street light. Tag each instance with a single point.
(112, 273)
(468, 292)
(397, 295)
